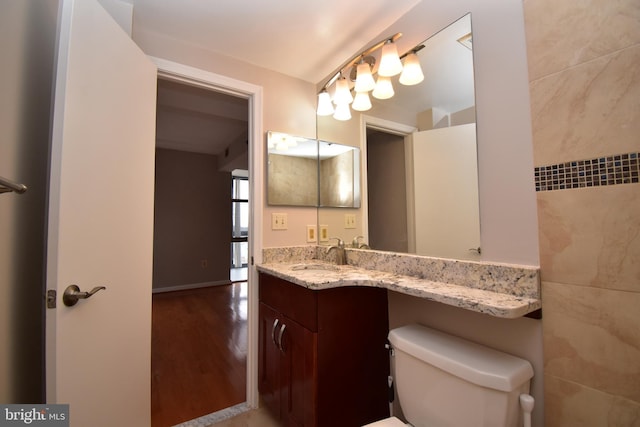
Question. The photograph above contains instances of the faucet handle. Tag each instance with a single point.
(355, 242)
(340, 242)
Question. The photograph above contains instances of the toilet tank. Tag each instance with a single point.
(443, 380)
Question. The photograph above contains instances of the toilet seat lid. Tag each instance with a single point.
(388, 422)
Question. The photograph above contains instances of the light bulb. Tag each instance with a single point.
(343, 93)
(384, 88)
(361, 102)
(412, 71)
(364, 79)
(343, 112)
(325, 107)
(390, 64)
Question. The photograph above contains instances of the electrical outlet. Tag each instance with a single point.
(324, 233)
(279, 221)
(349, 220)
(311, 234)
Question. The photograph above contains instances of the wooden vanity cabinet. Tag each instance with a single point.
(322, 355)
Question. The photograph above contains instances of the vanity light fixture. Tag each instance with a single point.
(412, 71)
(364, 78)
(343, 92)
(325, 107)
(361, 102)
(360, 70)
(342, 113)
(281, 141)
(390, 64)
(384, 88)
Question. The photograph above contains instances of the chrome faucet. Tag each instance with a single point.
(355, 243)
(341, 257)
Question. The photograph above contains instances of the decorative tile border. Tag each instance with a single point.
(610, 170)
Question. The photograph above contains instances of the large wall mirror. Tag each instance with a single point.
(421, 157)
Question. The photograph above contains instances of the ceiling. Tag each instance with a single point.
(190, 118)
(303, 39)
(306, 39)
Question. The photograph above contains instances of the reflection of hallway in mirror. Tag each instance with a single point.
(386, 191)
(199, 349)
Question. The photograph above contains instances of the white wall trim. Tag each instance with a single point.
(198, 77)
(386, 125)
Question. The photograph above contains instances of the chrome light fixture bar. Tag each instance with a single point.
(335, 96)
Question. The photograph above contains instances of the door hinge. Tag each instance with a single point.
(251, 259)
(51, 298)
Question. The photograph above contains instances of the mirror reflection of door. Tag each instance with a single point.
(448, 159)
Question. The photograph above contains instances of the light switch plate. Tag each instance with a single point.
(349, 220)
(279, 221)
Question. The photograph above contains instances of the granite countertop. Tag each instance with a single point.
(498, 290)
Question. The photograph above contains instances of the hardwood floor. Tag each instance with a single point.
(198, 352)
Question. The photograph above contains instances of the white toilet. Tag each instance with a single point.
(442, 380)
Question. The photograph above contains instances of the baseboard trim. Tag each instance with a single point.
(190, 286)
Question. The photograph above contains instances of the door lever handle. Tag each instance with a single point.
(72, 294)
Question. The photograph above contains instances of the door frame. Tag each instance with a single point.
(177, 72)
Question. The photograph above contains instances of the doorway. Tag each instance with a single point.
(388, 169)
(202, 301)
(386, 191)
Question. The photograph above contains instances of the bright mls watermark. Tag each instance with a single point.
(34, 415)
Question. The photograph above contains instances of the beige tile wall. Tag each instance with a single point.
(584, 71)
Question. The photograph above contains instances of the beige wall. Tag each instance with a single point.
(192, 220)
(584, 70)
(288, 106)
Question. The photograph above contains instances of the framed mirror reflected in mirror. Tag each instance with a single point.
(292, 170)
(339, 167)
(306, 172)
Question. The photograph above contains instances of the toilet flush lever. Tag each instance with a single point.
(72, 294)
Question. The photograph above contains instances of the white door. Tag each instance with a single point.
(100, 230)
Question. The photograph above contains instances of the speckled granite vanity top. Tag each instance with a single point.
(499, 290)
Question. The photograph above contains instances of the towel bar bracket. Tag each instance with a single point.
(7, 186)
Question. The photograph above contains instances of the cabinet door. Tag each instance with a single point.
(269, 359)
(298, 375)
